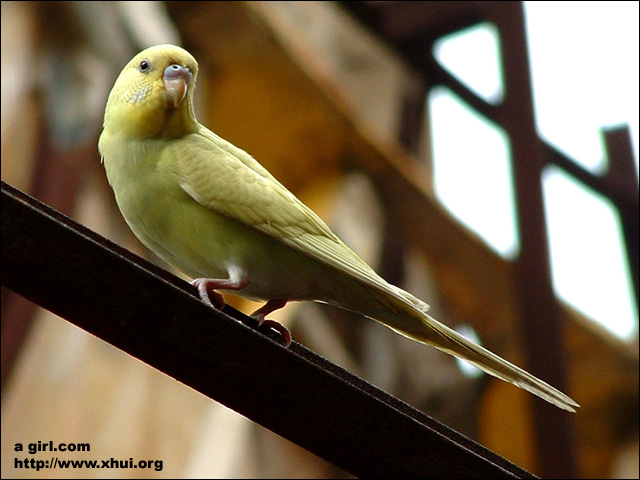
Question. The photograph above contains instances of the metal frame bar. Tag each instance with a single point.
(157, 318)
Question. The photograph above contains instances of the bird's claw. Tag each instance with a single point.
(261, 314)
(207, 294)
(284, 332)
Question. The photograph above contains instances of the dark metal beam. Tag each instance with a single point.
(622, 179)
(543, 332)
(57, 178)
(157, 318)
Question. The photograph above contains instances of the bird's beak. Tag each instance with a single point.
(176, 82)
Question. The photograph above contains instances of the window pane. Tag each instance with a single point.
(472, 170)
(473, 56)
(588, 266)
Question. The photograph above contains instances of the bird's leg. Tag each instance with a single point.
(206, 290)
(265, 310)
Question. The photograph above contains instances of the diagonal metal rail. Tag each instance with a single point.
(157, 318)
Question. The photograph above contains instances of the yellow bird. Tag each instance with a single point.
(211, 210)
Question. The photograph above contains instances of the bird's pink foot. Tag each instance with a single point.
(265, 310)
(207, 293)
(206, 290)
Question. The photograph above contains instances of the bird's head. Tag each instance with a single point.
(153, 95)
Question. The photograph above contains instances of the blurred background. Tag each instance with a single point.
(423, 135)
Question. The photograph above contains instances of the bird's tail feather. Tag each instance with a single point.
(407, 315)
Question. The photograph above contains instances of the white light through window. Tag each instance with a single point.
(587, 260)
(473, 55)
(472, 172)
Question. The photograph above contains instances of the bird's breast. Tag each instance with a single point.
(198, 240)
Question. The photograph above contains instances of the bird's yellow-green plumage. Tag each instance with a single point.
(210, 209)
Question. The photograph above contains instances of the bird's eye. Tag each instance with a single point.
(144, 66)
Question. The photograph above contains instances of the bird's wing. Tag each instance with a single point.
(222, 177)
